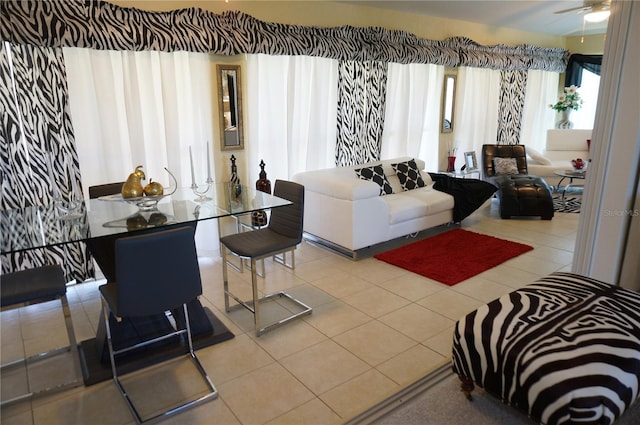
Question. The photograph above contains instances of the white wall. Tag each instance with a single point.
(611, 187)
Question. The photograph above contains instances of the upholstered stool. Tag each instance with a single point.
(524, 195)
(564, 349)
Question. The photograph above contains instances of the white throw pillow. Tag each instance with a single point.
(538, 157)
(505, 166)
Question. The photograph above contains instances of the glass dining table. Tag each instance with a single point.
(99, 223)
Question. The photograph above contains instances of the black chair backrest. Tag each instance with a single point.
(156, 272)
(288, 220)
(105, 189)
(503, 151)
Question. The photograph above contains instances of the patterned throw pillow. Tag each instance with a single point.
(375, 173)
(505, 166)
(408, 174)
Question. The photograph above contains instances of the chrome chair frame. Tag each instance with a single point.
(187, 331)
(254, 304)
(56, 273)
(280, 237)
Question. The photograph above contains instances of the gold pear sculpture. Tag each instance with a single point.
(132, 188)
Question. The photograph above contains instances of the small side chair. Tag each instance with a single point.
(34, 286)
(282, 235)
(170, 280)
(105, 189)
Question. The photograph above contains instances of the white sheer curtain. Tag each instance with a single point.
(412, 112)
(141, 108)
(291, 118)
(476, 115)
(538, 117)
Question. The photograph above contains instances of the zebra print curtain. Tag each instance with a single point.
(101, 25)
(362, 89)
(35, 124)
(513, 86)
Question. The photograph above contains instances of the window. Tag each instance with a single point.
(585, 116)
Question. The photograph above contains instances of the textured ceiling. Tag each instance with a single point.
(526, 15)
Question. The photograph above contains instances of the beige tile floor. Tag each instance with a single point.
(374, 329)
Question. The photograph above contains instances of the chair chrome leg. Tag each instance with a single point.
(195, 359)
(75, 356)
(112, 359)
(256, 300)
(72, 340)
(213, 392)
(253, 305)
(282, 259)
(225, 277)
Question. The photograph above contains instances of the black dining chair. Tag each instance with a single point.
(155, 273)
(105, 189)
(34, 286)
(282, 235)
(102, 248)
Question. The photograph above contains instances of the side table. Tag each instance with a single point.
(462, 174)
(570, 187)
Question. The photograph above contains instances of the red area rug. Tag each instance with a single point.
(453, 256)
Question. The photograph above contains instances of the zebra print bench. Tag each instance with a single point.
(564, 349)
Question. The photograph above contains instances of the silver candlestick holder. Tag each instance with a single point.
(201, 195)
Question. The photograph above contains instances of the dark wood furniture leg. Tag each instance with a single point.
(466, 386)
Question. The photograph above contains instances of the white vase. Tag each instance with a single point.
(565, 120)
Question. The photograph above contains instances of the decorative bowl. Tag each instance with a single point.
(145, 203)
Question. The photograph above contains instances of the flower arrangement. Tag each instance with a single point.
(570, 99)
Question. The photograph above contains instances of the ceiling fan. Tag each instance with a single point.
(594, 10)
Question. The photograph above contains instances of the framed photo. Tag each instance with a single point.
(470, 161)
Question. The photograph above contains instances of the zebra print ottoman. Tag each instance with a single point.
(564, 349)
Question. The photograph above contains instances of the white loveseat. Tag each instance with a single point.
(349, 214)
(561, 147)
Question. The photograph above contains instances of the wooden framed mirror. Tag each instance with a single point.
(448, 103)
(230, 106)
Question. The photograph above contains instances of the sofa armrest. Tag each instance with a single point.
(342, 184)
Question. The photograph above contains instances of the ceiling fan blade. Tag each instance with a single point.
(580, 8)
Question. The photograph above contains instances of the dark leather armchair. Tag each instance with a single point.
(519, 194)
(503, 151)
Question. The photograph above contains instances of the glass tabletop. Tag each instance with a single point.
(49, 225)
(571, 174)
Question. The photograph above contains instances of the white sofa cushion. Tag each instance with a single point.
(537, 156)
(435, 200)
(417, 203)
(565, 145)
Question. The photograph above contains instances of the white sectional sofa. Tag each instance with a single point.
(349, 214)
(561, 147)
